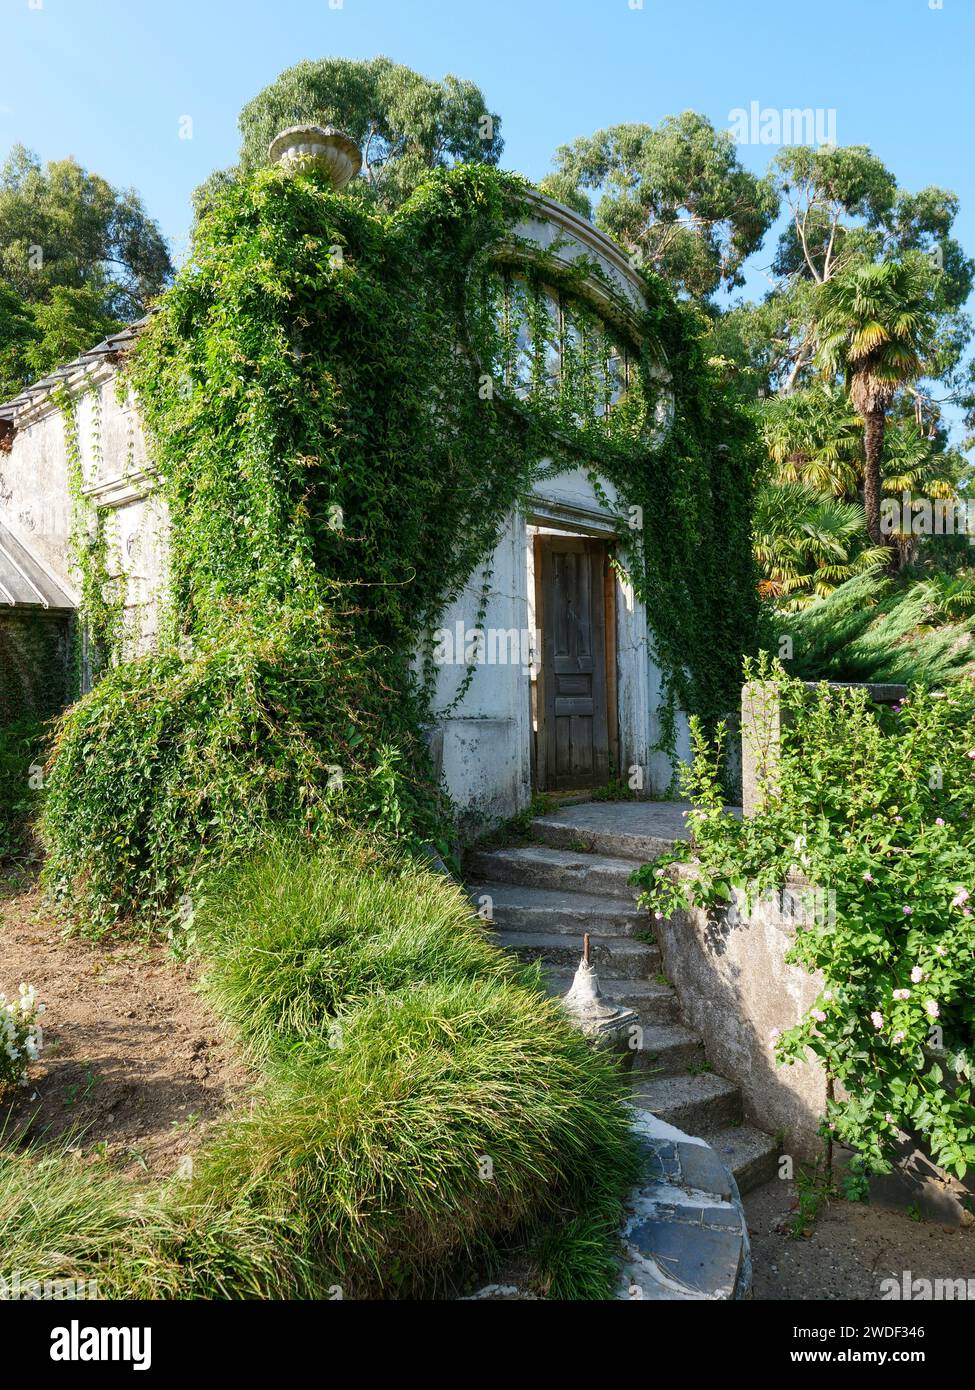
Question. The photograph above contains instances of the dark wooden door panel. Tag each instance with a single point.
(575, 724)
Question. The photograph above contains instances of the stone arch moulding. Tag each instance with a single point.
(554, 230)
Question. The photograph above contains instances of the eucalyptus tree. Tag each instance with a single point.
(405, 124)
(62, 226)
(675, 195)
(78, 258)
(846, 206)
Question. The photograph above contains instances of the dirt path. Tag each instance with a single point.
(132, 1057)
(850, 1250)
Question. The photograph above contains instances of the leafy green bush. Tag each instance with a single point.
(174, 761)
(876, 807)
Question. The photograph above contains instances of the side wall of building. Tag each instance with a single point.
(36, 499)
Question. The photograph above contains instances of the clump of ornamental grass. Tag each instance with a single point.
(426, 1116)
(294, 936)
(66, 1223)
(441, 1121)
(59, 1219)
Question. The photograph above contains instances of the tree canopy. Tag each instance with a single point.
(676, 195)
(61, 225)
(78, 258)
(404, 123)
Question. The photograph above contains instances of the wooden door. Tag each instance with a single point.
(574, 732)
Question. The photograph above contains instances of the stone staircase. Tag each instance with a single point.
(573, 879)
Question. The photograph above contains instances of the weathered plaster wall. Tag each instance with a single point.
(736, 990)
(485, 739)
(484, 743)
(35, 499)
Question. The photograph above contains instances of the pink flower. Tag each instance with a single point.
(819, 1016)
(868, 877)
(877, 1019)
(899, 820)
(898, 1036)
(931, 1008)
(828, 995)
(889, 1118)
(902, 994)
(907, 911)
(961, 897)
(938, 820)
(658, 916)
(972, 753)
(917, 975)
(939, 950)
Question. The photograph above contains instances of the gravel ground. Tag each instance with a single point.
(850, 1249)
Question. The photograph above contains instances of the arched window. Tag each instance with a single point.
(553, 346)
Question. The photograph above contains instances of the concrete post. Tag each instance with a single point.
(761, 743)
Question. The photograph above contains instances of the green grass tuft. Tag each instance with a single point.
(451, 1114)
(427, 1115)
(293, 938)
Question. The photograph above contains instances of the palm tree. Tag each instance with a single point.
(875, 325)
(814, 436)
(807, 543)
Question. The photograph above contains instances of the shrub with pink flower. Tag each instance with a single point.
(893, 848)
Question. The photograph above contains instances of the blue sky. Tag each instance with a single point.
(108, 81)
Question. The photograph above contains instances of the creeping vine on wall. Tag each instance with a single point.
(97, 635)
(334, 471)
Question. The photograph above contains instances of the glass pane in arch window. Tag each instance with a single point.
(616, 375)
(552, 358)
(520, 336)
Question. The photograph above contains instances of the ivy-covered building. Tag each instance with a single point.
(530, 440)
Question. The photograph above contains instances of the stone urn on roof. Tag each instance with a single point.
(318, 148)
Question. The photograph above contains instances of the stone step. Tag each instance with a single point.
(654, 1003)
(750, 1154)
(634, 830)
(517, 907)
(685, 1237)
(699, 1104)
(541, 866)
(615, 957)
(668, 1049)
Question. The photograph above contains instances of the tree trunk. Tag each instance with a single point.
(874, 426)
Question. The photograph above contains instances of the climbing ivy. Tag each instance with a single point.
(329, 409)
(98, 632)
